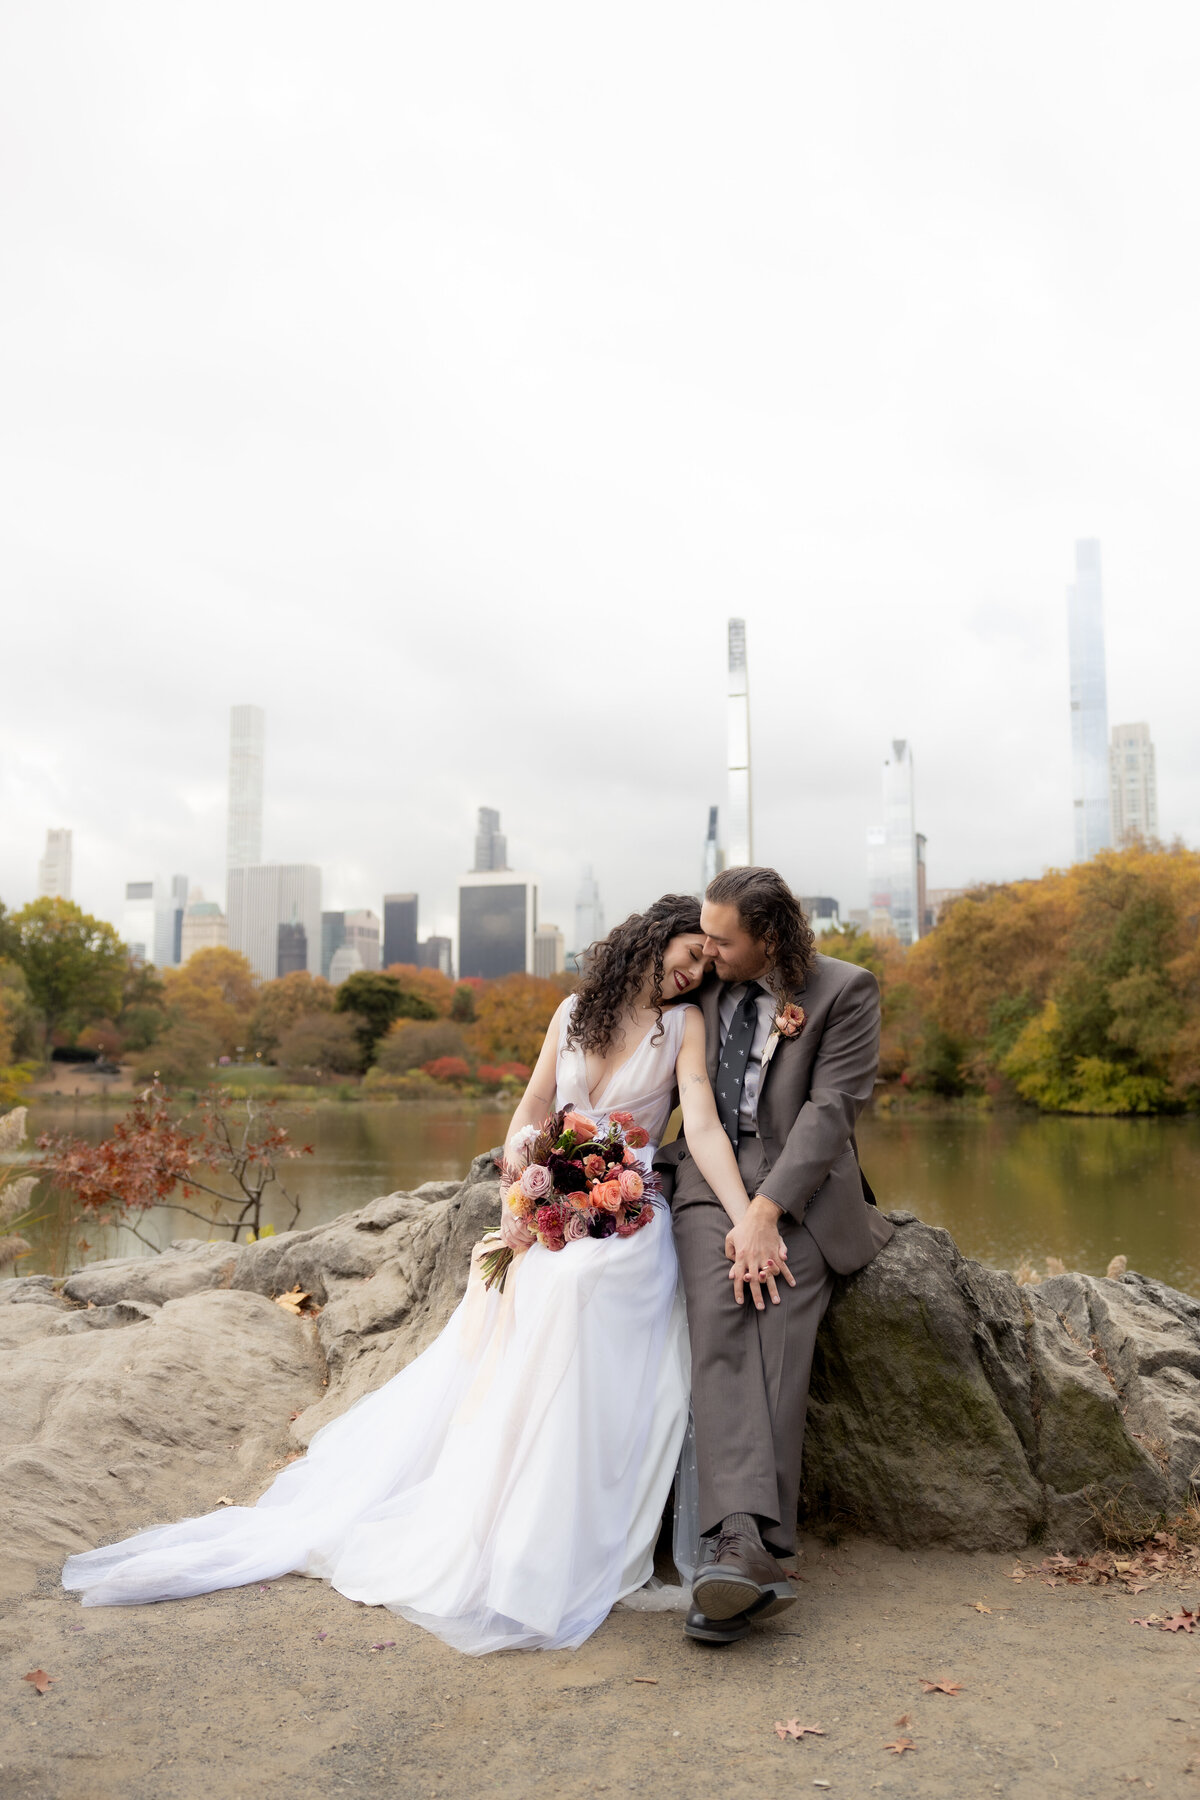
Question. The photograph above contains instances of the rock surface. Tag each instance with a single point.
(949, 1406)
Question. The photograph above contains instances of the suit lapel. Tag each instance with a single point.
(778, 1048)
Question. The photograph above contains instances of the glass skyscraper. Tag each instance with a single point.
(893, 873)
(244, 832)
(1089, 704)
(739, 819)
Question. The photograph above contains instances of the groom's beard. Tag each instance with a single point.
(732, 974)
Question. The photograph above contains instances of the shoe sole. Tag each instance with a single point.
(732, 1634)
(723, 1594)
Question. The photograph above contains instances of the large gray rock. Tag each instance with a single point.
(949, 1406)
(131, 1414)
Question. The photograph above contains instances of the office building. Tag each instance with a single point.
(923, 918)
(361, 929)
(264, 896)
(436, 953)
(821, 911)
(204, 926)
(937, 900)
(739, 814)
(243, 843)
(1089, 705)
(291, 955)
(497, 917)
(344, 962)
(152, 922)
(859, 917)
(549, 950)
(333, 936)
(399, 929)
(894, 859)
(589, 913)
(54, 868)
(714, 856)
(491, 846)
(1133, 785)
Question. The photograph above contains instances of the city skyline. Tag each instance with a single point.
(873, 430)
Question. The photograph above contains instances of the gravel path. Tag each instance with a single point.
(237, 1696)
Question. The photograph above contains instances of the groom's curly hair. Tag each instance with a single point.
(771, 913)
(616, 968)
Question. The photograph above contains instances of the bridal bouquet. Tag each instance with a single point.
(569, 1179)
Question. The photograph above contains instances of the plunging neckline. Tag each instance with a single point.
(587, 1086)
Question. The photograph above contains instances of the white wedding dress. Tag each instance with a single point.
(506, 1488)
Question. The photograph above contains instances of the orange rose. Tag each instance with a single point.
(607, 1195)
(584, 1129)
(581, 1200)
(593, 1167)
(621, 1118)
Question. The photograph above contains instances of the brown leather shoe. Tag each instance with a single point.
(741, 1577)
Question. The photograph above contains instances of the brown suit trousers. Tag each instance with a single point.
(750, 1370)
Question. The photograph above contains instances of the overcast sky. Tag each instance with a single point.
(442, 377)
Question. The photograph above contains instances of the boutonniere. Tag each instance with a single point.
(788, 1022)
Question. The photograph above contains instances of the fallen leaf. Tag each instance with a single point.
(39, 1678)
(224, 1500)
(388, 1644)
(1180, 1621)
(900, 1746)
(794, 1729)
(321, 1636)
(1137, 1587)
(293, 1302)
(980, 1607)
(1150, 1619)
(941, 1687)
(903, 1722)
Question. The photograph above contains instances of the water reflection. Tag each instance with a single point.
(1008, 1187)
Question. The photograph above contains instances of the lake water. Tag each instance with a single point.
(1008, 1187)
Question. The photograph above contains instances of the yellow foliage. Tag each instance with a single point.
(511, 1018)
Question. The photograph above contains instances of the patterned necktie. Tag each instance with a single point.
(735, 1054)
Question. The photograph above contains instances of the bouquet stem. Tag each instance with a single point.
(494, 1266)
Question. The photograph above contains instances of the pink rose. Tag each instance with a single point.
(575, 1228)
(593, 1167)
(630, 1160)
(608, 1195)
(535, 1182)
(584, 1129)
(621, 1118)
(631, 1184)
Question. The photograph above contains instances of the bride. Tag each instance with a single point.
(506, 1488)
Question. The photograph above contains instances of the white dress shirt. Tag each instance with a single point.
(766, 1006)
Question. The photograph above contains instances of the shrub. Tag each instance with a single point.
(101, 1036)
(182, 1054)
(450, 1069)
(411, 1043)
(321, 1043)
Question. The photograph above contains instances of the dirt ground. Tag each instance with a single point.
(277, 1689)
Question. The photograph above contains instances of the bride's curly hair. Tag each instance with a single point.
(617, 966)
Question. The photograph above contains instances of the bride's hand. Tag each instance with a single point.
(514, 1232)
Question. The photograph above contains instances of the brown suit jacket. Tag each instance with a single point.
(813, 1089)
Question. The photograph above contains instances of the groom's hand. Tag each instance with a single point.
(757, 1253)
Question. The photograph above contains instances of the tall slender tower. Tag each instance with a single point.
(895, 853)
(714, 861)
(243, 845)
(54, 868)
(739, 848)
(1089, 704)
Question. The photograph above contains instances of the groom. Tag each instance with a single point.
(793, 1044)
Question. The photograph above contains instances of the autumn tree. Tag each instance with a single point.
(431, 984)
(73, 964)
(511, 1018)
(282, 1003)
(214, 990)
(375, 1000)
(320, 1044)
(181, 1056)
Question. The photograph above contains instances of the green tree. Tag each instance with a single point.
(376, 1000)
(180, 1056)
(74, 964)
